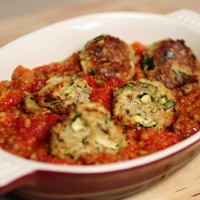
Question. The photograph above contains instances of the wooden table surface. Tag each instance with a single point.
(184, 184)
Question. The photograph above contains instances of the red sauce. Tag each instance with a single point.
(27, 135)
(188, 121)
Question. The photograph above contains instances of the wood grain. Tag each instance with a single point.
(13, 28)
(184, 184)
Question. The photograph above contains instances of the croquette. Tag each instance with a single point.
(88, 128)
(171, 62)
(144, 103)
(106, 56)
(58, 93)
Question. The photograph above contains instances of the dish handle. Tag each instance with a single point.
(187, 16)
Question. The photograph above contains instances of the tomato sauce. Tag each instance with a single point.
(188, 121)
(27, 135)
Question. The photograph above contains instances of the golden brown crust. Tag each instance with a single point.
(107, 56)
(173, 63)
(179, 51)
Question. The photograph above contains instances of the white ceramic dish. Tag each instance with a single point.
(35, 180)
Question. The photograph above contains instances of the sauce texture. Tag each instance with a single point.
(27, 134)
